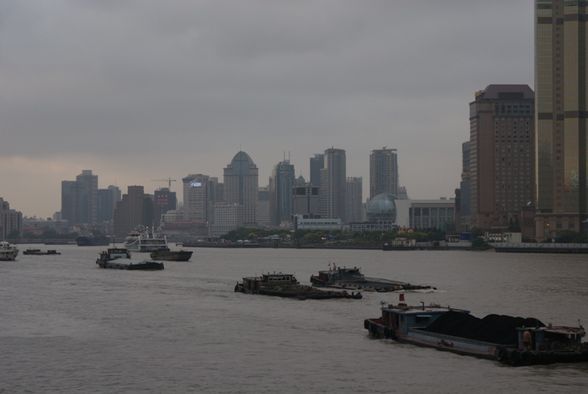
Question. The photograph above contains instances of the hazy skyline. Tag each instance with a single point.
(142, 90)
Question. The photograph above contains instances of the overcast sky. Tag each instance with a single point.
(138, 90)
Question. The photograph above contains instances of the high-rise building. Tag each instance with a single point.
(383, 172)
(262, 209)
(501, 152)
(561, 111)
(10, 221)
(69, 198)
(241, 185)
(134, 209)
(306, 201)
(197, 201)
(87, 197)
(280, 189)
(333, 184)
(165, 200)
(107, 199)
(354, 199)
(463, 194)
(317, 163)
(79, 199)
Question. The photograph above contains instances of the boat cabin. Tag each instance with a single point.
(556, 338)
(253, 283)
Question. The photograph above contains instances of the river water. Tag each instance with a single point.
(68, 326)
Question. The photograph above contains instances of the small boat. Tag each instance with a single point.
(171, 255)
(120, 258)
(286, 285)
(510, 340)
(8, 252)
(39, 252)
(352, 278)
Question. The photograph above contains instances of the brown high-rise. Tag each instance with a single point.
(500, 155)
(561, 112)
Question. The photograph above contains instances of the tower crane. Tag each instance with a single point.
(168, 180)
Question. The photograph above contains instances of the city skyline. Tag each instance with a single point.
(210, 80)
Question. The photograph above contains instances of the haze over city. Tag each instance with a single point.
(145, 90)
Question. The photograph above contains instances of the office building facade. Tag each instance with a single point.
(561, 112)
(281, 185)
(241, 185)
(334, 184)
(383, 172)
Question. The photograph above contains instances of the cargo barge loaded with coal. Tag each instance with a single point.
(511, 340)
(352, 278)
(286, 285)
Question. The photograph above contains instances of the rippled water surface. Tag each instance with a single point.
(67, 326)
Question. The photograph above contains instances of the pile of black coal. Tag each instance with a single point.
(500, 329)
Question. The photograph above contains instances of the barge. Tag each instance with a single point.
(352, 278)
(286, 285)
(39, 252)
(510, 340)
(120, 258)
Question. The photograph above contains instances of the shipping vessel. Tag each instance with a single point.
(39, 252)
(8, 252)
(171, 255)
(145, 241)
(511, 340)
(286, 285)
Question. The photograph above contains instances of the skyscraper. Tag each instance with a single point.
(333, 184)
(107, 199)
(79, 199)
(501, 152)
(134, 209)
(354, 199)
(197, 202)
(165, 200)
(87, 197)
(280, 190)
(241, 185)
(317, 163)
(383, 172)
(561, 111)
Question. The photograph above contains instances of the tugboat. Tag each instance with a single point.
(171, 255)
(286, 285)
(8, 252)
(510, 340)
(39, 252)
(352, 278)
(120, 258)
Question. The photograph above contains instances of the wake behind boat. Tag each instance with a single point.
(120, 258)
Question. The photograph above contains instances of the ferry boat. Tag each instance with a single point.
(8, 252)
(120, 258)
(352, 278)
(286, 285)
(145, 241)
(511, 340)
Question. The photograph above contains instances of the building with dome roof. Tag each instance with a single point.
(381, 208)
(241, 185)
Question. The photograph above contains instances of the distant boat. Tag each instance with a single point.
(143, 240)
(91, 240)
(8, 252)
(39, 252)
(120, 258)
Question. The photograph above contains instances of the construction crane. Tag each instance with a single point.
(168, 180)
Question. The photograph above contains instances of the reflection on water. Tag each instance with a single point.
(66, 325)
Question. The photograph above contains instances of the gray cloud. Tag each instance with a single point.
(187, 82)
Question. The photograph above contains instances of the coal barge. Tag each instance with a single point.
(286, 285)
(171, 255)
(510, 340)
(352, 278)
